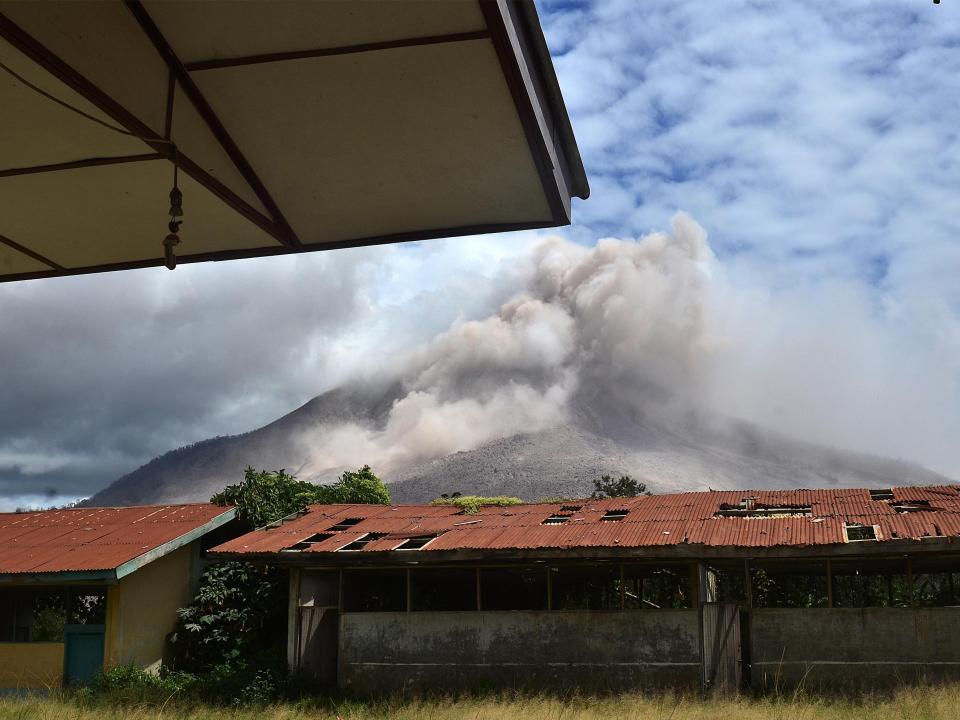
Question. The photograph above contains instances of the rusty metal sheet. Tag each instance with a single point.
(93, 538)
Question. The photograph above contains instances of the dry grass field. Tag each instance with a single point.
(942, 703)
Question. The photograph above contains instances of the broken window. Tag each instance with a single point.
(881, 494)
(913, 506)
(726, 582)
(415, 543)
(571, 508)
(361, 542)
(858, 533)
(344, 524)
(443, 589)
(585, 587)
(936, 582)
(88, 608)
(870, 583)
(657, 587)
(513, 589)
(615, 514)
(556, 519)
(309, 542)
(794, 584)
(374, 590)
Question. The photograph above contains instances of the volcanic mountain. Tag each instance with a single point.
(599, 435)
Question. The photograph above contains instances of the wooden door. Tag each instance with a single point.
(722, 649)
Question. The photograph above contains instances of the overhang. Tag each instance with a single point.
(293, 126)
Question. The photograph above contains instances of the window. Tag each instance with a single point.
(88, 609)
(859, 533)
(309, 542)
(748, 508)
(881, 494)
(571, 508)
(375, 590)
(654, 587)
(513, 589)
(344, 524)
(557, 519)
(795, 584)
(613, 515)
(585, 587)
(443, 589)
(362, 542)
(415, 543)
(870, 583)
(936, 582)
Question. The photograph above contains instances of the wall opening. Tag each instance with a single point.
(443, 589)
(375, 590)
(513, 589)
(585, 587)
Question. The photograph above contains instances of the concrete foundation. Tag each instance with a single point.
(382, 652)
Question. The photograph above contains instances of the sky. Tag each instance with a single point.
(817, 145)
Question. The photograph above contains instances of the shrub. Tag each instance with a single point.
(471, 504)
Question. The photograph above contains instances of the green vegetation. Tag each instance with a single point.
(624, 486)
(263, 497)
(471, 504)
(176, 703)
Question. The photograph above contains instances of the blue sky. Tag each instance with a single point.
(817, 143)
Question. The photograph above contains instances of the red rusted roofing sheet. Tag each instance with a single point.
(82, 539)
(684, 518)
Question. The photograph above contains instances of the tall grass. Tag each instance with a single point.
(925, 703)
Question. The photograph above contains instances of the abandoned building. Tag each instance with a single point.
(91, 588)
(721, 589)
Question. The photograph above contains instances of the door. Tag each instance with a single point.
(318, 625)
(722, 651)
(82, 653)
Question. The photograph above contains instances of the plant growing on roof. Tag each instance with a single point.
(624, 486)
(263, 496)
(471, 504)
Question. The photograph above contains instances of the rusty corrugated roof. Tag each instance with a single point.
(810, 517)
(87, 539)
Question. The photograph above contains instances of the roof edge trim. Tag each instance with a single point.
(175, 544)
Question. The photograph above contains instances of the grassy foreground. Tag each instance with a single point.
(942, 703)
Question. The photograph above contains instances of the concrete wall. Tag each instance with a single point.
(439, 651)
(142, 610)
(847, 647)
(32, 666)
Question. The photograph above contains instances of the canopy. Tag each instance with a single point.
(292, 126)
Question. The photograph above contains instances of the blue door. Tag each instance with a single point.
(82, 653)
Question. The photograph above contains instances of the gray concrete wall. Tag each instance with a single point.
(847, 647)
(458, 650)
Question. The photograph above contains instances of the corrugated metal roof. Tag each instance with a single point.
(84, 539)
(659, 520)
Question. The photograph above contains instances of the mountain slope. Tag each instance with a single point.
(670, 453)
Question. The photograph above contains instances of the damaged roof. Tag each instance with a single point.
(729, 518)
(115, 540)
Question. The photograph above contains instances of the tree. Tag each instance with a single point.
(624, 486)
(263, 497)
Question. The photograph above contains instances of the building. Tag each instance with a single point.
(721, 589)
(91, 588)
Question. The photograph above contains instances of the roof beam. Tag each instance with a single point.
(217, 63)
(40, 54)
(74, 164)
(213, 122)
(30, 253)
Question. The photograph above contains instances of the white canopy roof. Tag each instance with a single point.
(294, 126)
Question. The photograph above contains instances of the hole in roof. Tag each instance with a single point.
(752, 510)
(858, 533)
(615, 515)
(571, 508)
(913, 506)
(885, 494)
(361, 543)
(344, 524)
(309, 542)
(556, 520)
(415, 543)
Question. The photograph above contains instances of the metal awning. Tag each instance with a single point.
(293, 126)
